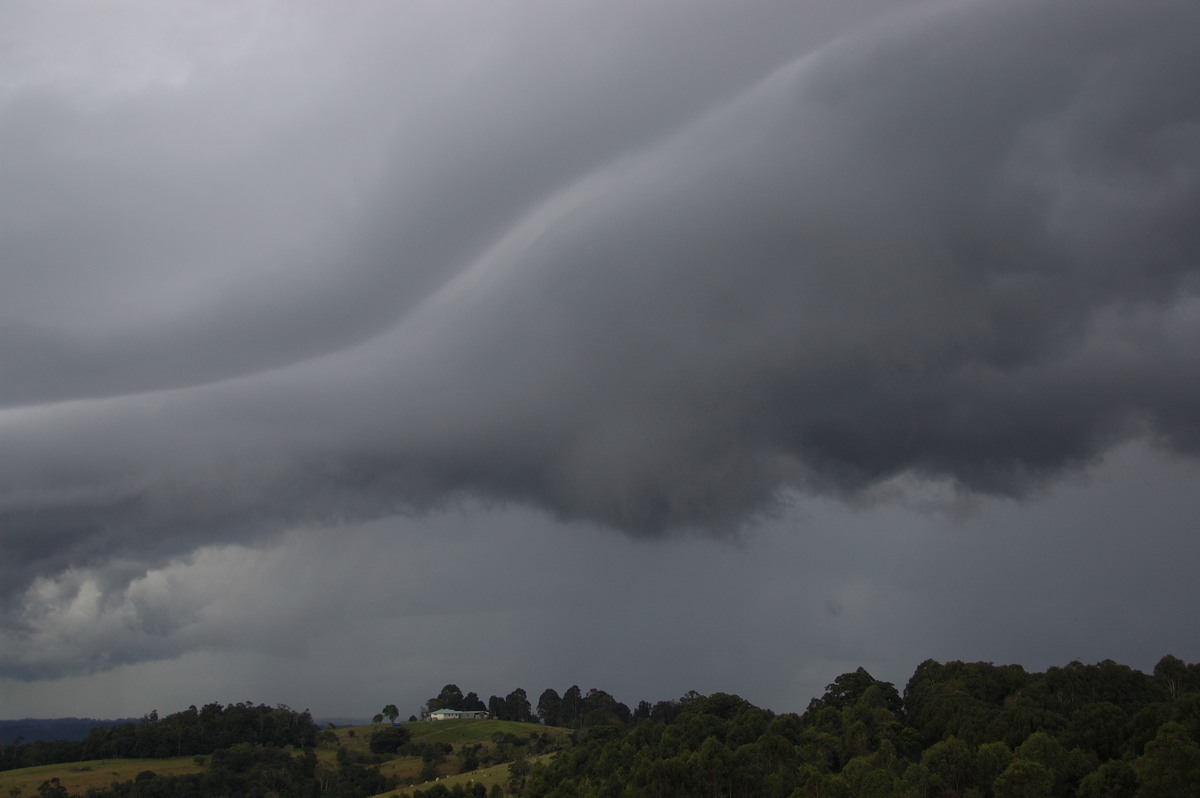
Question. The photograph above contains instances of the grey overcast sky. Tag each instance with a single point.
(349, 350)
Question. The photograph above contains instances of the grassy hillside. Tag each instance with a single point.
(78, 777)
(456, 733)
(494, 736)
(496, 774)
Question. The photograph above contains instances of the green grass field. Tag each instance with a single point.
(457, 732)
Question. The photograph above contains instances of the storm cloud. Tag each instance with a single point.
(602, 263)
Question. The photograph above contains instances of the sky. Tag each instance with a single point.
(351, 350)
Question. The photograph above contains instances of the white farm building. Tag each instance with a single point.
(454, 714)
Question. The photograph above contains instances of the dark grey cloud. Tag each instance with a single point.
(1097, 569)
(624, 266)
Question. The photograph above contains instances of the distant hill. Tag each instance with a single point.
(33, 730)
(340, 722)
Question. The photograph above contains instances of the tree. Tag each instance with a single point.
(917, 780)
(518, 772)
(390, 712)
(1066, 767)
(1171, 764)
(1024, 779)
(848, 688)
(549, 706)
(990, 761)
(964, 699)
(449, 698)
(713, 766)
(1101, 729)
(1113, 779)
(516, 706)
(468, 757)
(377, 718)
(662, 711)
(600, 708)
(389, 739)
(952, 761)
(569, 713)
(1171, 674)
(52, 789)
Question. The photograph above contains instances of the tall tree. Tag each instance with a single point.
(1171, 673)
(516, 706)
(1024, 779)
(1171, 764)
(847, 689)
(571, 707)
(549, 706)
(953, 762)
(449, 698)
(1113, 779)
(601, 708)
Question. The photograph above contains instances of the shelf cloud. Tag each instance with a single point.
(325, 277)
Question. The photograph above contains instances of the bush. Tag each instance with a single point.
(388, 740)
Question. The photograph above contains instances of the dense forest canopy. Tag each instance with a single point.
(958, 729)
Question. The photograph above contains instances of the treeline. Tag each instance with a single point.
(574, 709)
(191, 732)
(960, 730)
